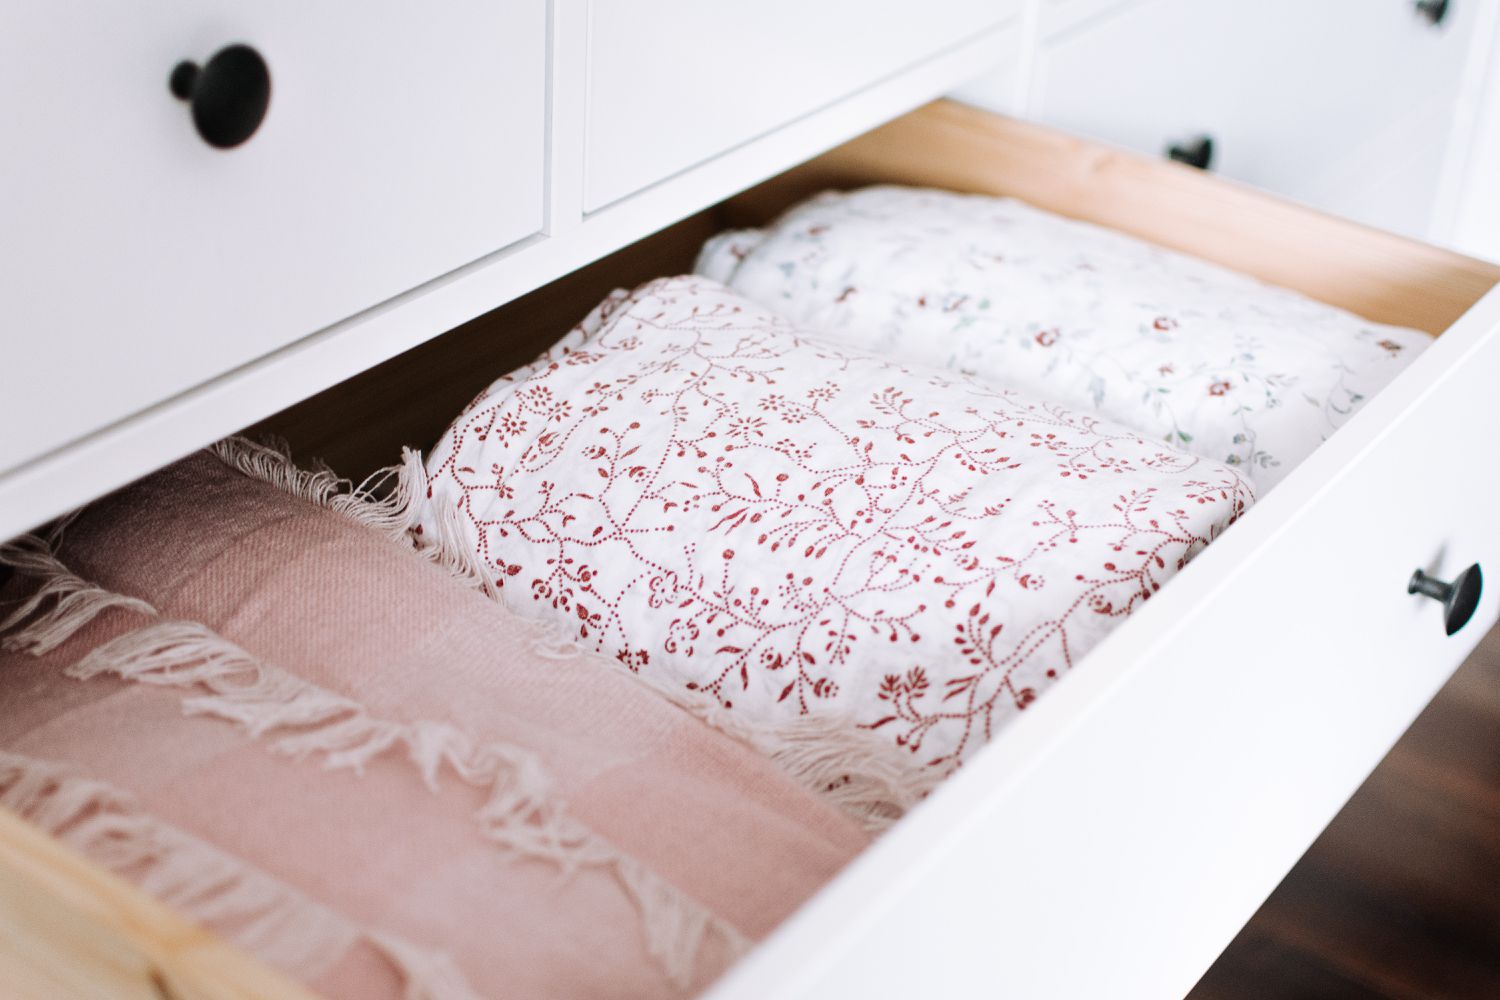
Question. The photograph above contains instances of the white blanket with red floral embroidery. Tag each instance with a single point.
(797, 528)
(1176, 348)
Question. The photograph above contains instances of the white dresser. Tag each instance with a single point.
(404, 169)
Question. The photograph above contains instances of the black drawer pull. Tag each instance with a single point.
(1459, 598)
(1433, 10)
(1196, 152)
(229, 94)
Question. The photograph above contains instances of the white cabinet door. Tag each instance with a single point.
(675, 82)
(1343, 104)
(401, 141)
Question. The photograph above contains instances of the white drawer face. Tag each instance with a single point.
(1140, 812)
(1351, 115)
(401, 140)
(676, 82)
(1222, 730)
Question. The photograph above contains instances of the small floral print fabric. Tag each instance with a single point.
(793, 527)
(1176, 348)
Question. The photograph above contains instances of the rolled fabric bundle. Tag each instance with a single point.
(804, 530)
(1178, 349)
(303, 734)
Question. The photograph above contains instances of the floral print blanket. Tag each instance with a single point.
(791, 527)
(1178, 349)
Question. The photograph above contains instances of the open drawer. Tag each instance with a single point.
(1113, 838)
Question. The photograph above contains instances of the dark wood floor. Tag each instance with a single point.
(1400, 896)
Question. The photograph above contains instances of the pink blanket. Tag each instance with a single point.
(329, 750)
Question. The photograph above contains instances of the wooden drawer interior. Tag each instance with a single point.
(197, 259)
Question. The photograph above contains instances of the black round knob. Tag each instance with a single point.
(229, 94)
(1459, 598)
(1195, 152)
(1432, 10)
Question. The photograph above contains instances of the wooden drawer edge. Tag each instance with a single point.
(69, 929)
(1375, 274)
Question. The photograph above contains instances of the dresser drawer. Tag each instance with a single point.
(1113, 838)
(1360, 92)
(400, 142)
(676, 82)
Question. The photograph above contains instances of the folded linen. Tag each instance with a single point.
(801, 529)
(1174, 347)
(384, 783)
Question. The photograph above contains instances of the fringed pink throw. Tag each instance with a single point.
(310, 738)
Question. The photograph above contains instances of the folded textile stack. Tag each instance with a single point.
(1174, 347)
(321, 745)
(802, 530)
(671, 619)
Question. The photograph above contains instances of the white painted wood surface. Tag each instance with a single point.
(1473, 203)
(1107, 844)
(675, 82)
(401, 141)
(1117, 835)
(190, 414)
(1348, 105)
(1057, 16)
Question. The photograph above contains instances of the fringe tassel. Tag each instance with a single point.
(850, 767)
(391, 500)
(853, 768)
(426, 975)
(388, 510)
(74, 601)
(256, 911)
(440, 540)
(856, 772)
(521, 815)
(304, 720)
(675, 934)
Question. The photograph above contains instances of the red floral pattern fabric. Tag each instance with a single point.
(1174, 347)
(793, 527)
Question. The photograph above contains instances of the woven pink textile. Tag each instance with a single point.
(394, 665)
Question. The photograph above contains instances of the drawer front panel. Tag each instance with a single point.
(1117, 835)
(401, 141)
(1149, 804)
(676, 82)
(1356, 91)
